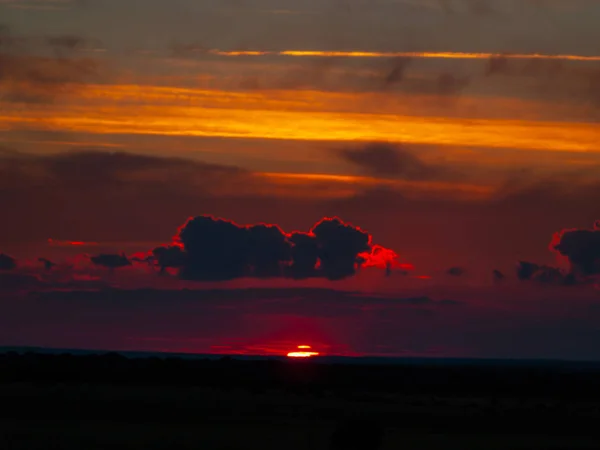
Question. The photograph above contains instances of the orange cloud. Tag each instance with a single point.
(426, 55)
(355, 184)
(226, 114)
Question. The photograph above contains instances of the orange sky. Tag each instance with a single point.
(285, 103)
(313, 116)
(265, 115)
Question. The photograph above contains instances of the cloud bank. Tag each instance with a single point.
(213, 249)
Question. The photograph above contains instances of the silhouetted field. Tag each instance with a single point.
(101, 402)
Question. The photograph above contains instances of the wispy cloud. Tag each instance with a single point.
(40, 69)
(426, 55)
(229, 116)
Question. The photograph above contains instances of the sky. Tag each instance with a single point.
(390, 177)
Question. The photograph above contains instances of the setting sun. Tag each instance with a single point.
(304, 351)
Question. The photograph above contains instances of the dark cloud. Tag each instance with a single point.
(497, 275)
(26, 281)
(340, 246)
(7, 262)
(108, 170)
(71, 42)
(110, 197)
(397, 72)
(384, 159)
(304, 302)
(456, 271)
(423, 300)
(180, 50)
(395, 76)
(48, 265)
(106, 196)
(14, 281)
(391, 75)
(172, 256)
(214, 249)
(542, 68)
(111, 261)
(449, 302)
(581, 247)
(543, 274)
(526, 270)
(552, 78)
(39, 71)
(142, 258)
(448, 84)
(304, 255)
(314, 74)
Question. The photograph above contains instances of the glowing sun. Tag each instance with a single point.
(303, 351)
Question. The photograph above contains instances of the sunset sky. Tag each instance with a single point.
(459, 135)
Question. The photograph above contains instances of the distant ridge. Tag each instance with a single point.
(353, 360)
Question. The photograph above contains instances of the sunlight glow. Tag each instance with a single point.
(305, 178)
(288, 116)
(434, 55)
(304, 352)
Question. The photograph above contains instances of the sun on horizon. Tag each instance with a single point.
(303, 351)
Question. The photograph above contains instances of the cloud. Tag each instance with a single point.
(526, 269)
(397, 72)
(14, 281)
(581, 247)
(172, 256)
(191, 49)
(68, 42)
(111, 197)
(448, 84)
(503, 65)
(300, 302)
(390, 74)
(48, 265)
(7, 262)
(89, 169)
(140, 200)
(456, 271)
(498, 276)
(552, 79)
(543, 274)
(38, 71)
(340, 247)
(111, 261)
(106, 196)
(213, 249)
(384, 159)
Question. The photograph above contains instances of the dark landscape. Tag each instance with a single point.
(63, 401)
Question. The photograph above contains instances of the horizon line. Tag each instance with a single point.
(322, 357)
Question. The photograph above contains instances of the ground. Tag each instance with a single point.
(43, 412)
